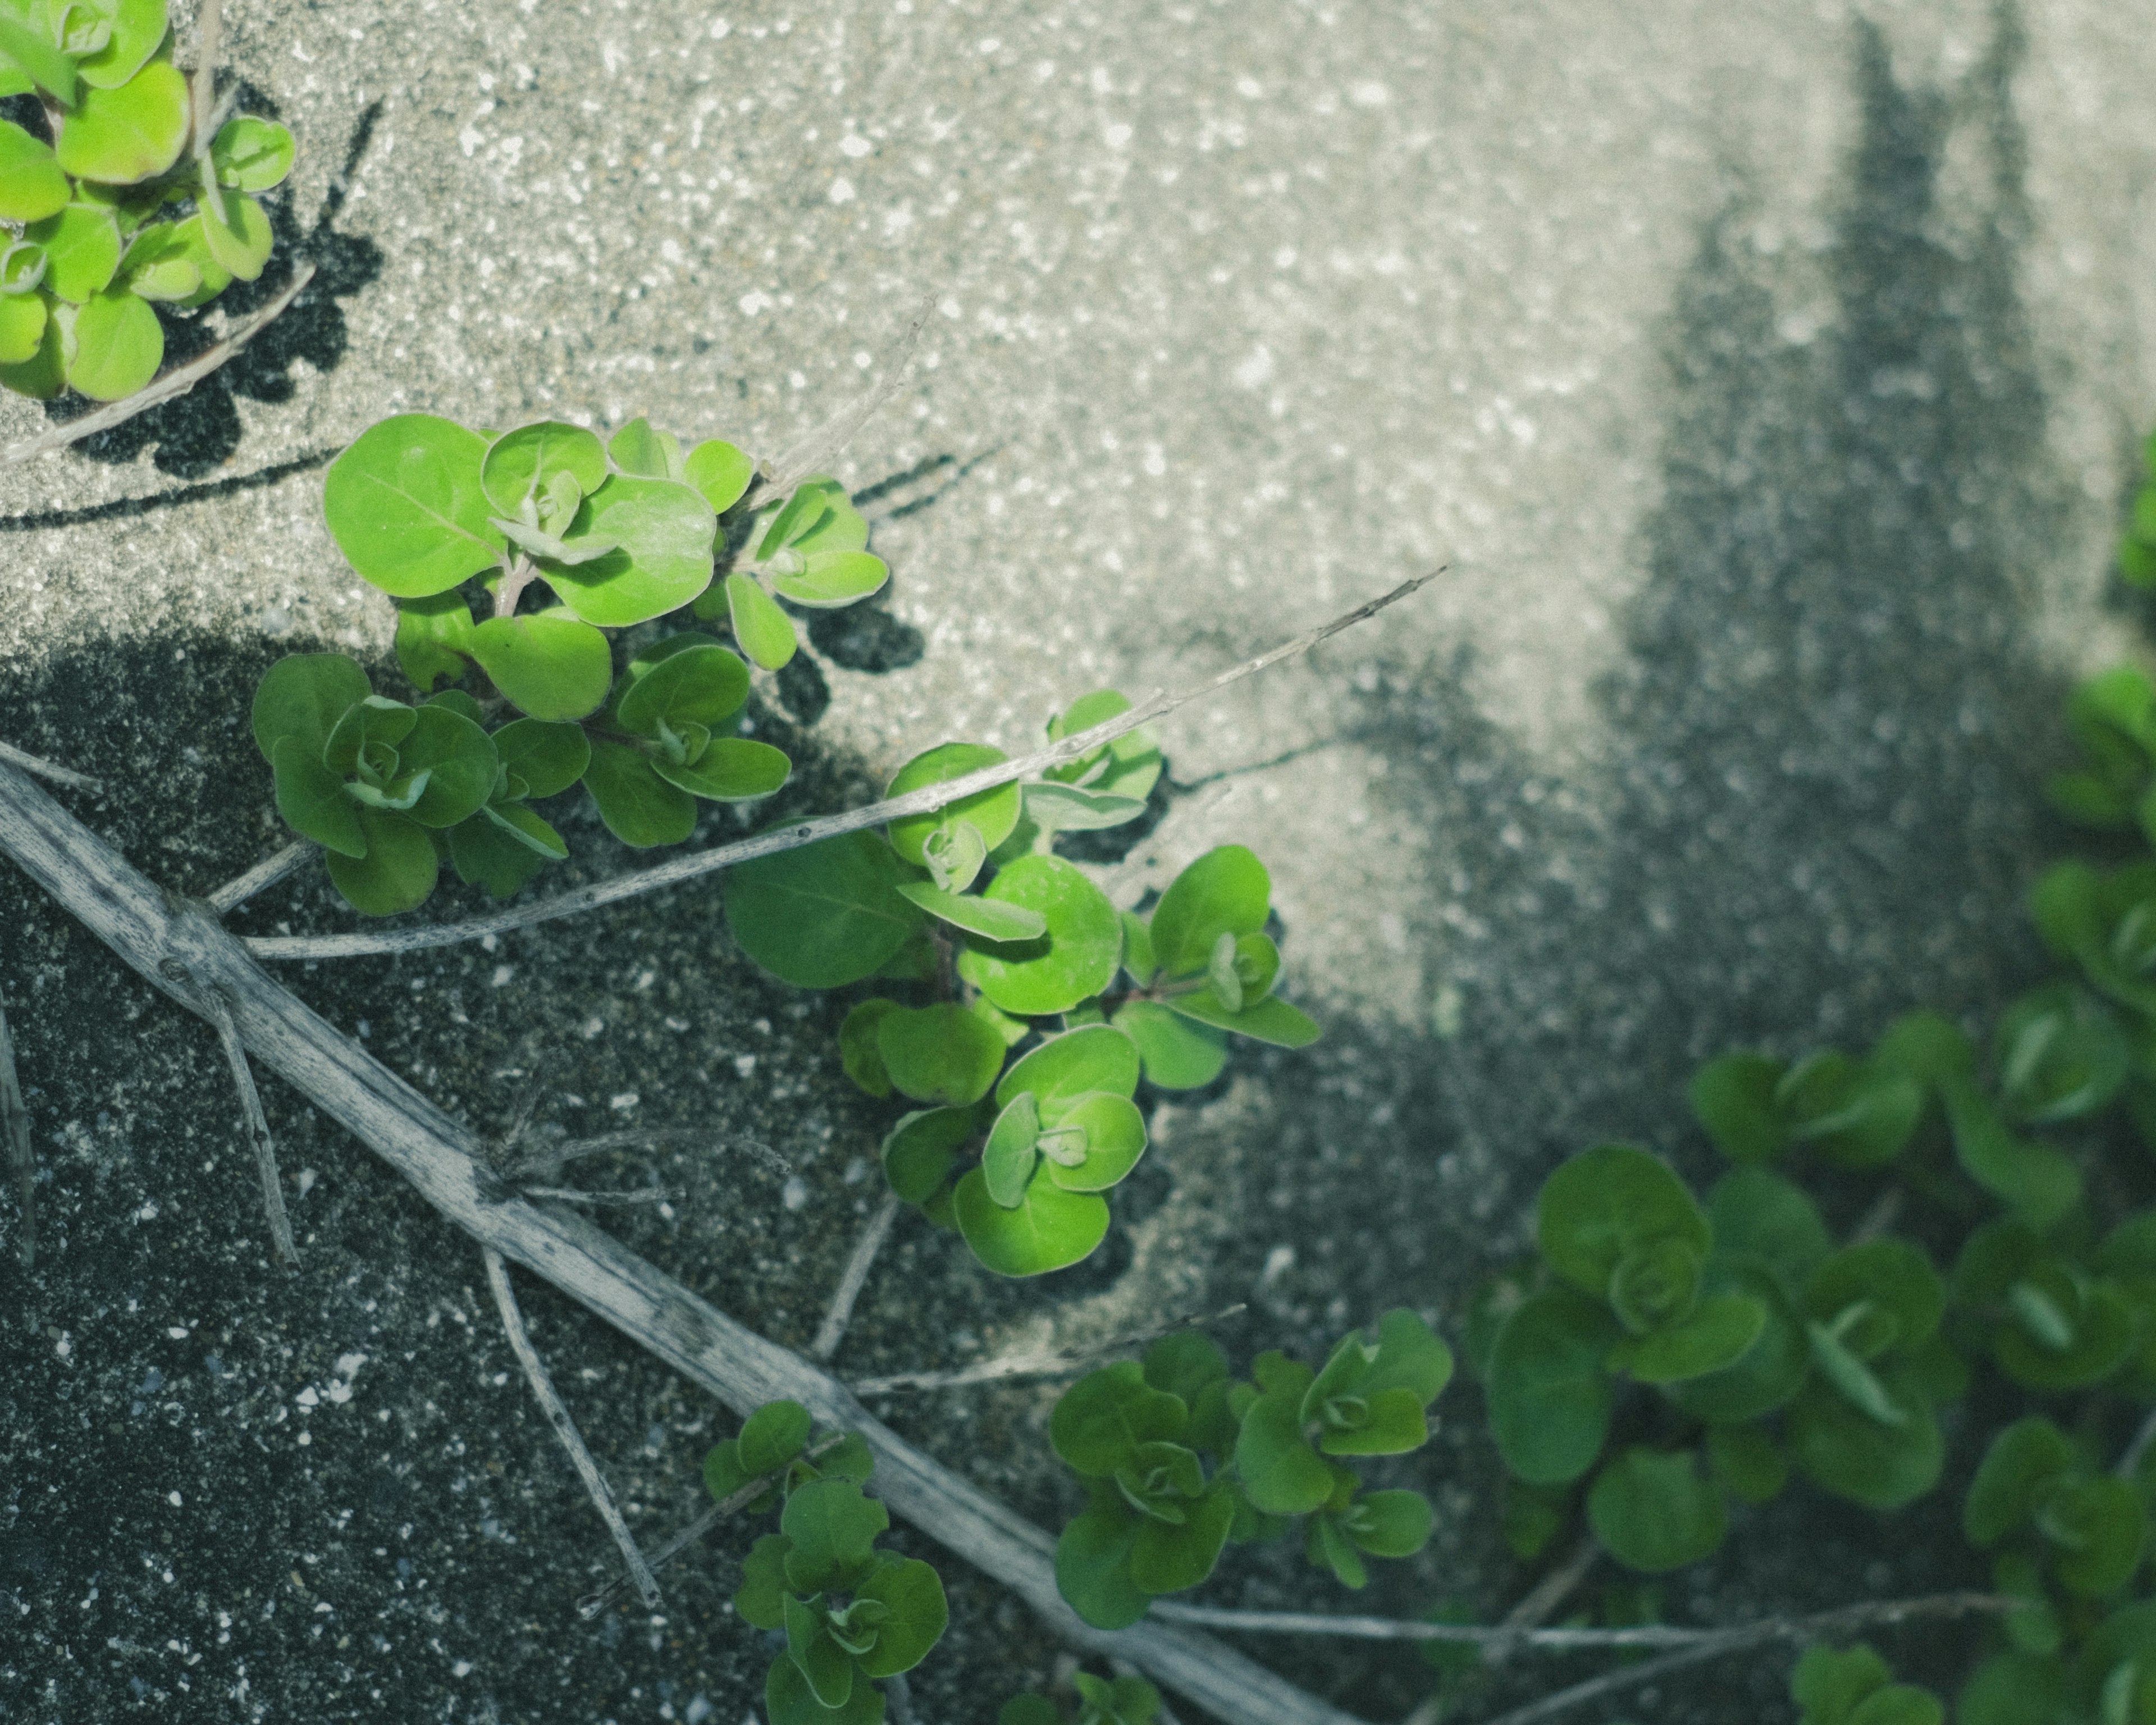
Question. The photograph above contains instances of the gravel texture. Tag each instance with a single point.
(1770, 379)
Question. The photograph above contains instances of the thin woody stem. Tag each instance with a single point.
(257, 1126)
(265, 874)
(15, 1123)
(1029, 1365)
(45, 769)
(565, 1427)
(832, 1330)
(783, 473)
(796, 835)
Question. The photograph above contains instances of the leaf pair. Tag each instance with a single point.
(774, 1444)
(369, 779)
(1856, 1686)
(2055, 1323)
(1100, 1701)
(810, 549)
(1854, 1113)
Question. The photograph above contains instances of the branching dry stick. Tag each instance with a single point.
(565, 1427)
(15, 1124)
(832, 1330)
(595, 1602)
(177, 382)
(1841, 1618)
(258, 1128)
(267, 873)
(795, 835)
(45, 769)
(149, 931)
(1029, 1365)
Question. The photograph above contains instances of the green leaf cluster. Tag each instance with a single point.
(1023, 1008)
(1096, 1700)
(1853, 1685)
(1766, 1348)
(1179, 1459)
(850, 1614)
(113, 213)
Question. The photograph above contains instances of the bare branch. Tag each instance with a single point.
(267, 873)
(832, 1330)
(899, 1694)
(551, 1157)
(1031, 1365)
(15, 1124)
(821, 446)
(565, 1195)
(45, 769)
(795, 835)
(210, 48)
(148, 929)
(597, 1601)
(176, 383)
(1625, 1677)
(565, 1427)
(257, 1125)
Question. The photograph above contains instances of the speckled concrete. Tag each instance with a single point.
(1768, 377)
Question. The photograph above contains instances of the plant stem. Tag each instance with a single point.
(794, 835)
(45, 769)
(236, 892)
(1029, 1365)
(258, 1128)
(832, 1330)
(565, 1427)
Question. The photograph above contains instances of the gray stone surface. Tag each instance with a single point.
(1769, 377)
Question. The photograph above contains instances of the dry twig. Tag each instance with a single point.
(45, 769)
(795, 835)
(550, 1158)
(832, 1330)
(1030, 1365)
(15, 1124)
(236, 892)
(779, 478)
(257, 1126)
(565, 1427)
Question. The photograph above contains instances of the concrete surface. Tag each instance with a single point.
(1769, 377)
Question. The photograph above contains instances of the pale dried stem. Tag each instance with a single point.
(210, 48)
(15, 1123)
(176, 383)
(548, 1160)
(565, 1195)
(832, 1330)
(1030, 1365)
(45, 769)
(899, 1694)
(257, 1125)
(780, 476)
(440, 1158)
(794, 836)
(565, 1427)
(264, 875)
(597, 1600)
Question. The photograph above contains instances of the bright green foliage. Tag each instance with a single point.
(1853, 1685)
(100, 248)
(850, 1614)
(1179, 1461)
(1098, 1701)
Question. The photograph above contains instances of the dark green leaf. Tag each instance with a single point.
(1225, 892)
(1281, 1473)
(459, 759)
(920, 1151)
(311, 799)
(1710, 1338)
(1168, 1557)
(941, 1055)
(1184, 1362)
(1389, 1524)
(1550, 1395)
(302, 696)
(502, 847)
(911, 1594)
(1101, 1420)
(788, 1700)
(1746, 1460)
(859, 1052)
(398, 870)
(2023, 1461)
(833, 1527)
(1179, 1053)
(825, 914)
(1093, 1566)
(1829, 1685)
(761, 1598)
(1733, 1098)
(2035, 1179)
(1844, 1450)
(1653, 1512)
(639, 806)
(1762, 1216)
(816, 1653)
(545, 757)
(1606, 1203)
(1768, 1373)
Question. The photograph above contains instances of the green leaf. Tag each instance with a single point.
(2013, 1689)
(1073, 808)
(720, 471)
(1184, 1363)
(117, 346)
(302, 696)
(459, 760)
(1093, 1566)
(1051, 1229)
(1094, 1057)
(833, 1527)
(816, 1653)
(771, 1436)
(1608, 1202)
(919, 1152)
(519, 466)
(39, 61)
(765, 633)
(434, 640)
(2098, 1527)
(547, 665)
(911, 1594)
(2103, 1331)
(1653, 1512)
(941, 1054)
(638, 449)
(32, 185)
(1389, 1524)
(639, 806)
(823, 916)
(1896, 1278)
(502, 847)
(1858, 1113)
(859, 1052)
(1179, 1053)
(831, 579)
(405, 506)
(547, 758)
(2061, 1055)
(128, 134)
(82, 251)
(251, 155)
(1829, 1685)
(311, 799)
(1281, 1473)
(1272, 1019)
(1075, 959)
(731, 769)
(1762, 1216)
(1225, 892)
(992, 812)
(788, 1700)
(1746, 1460)
(1009, 1157)
(662, 532)
(1327, 1545)
(1129, 766)
(1098, 1422)
(2036, 1180)
(986, 917)
(398, 870)
(1094, 1143)
(699, 685)
(1733, 1098)
(1843, 1450)
(43, 374)
(1028, 1710)
(1713, 1337)
(761, 1598)
(22, 321)
(1168, 1557)
(1654, 1284)
(135, 31)
(1768, 1373)
(1550, 1396)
